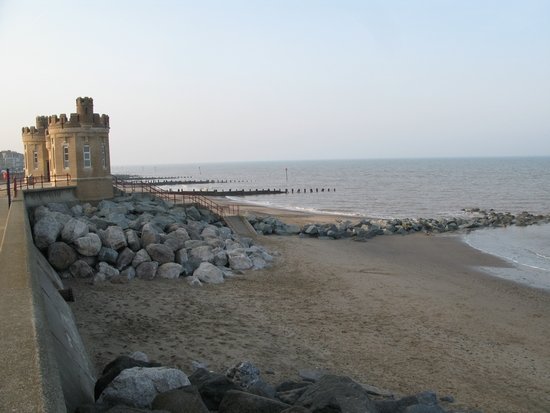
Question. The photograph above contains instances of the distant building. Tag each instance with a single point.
(14, 161)
(77, 146)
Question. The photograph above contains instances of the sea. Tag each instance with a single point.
(399, 188)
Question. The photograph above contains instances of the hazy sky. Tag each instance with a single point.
(199, 81)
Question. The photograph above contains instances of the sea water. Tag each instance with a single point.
(400, 188)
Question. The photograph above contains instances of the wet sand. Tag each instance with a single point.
(407, 313)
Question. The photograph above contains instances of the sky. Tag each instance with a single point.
(213, 81)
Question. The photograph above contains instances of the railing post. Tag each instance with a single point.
(8, 186)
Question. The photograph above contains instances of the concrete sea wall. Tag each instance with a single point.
(45, 365)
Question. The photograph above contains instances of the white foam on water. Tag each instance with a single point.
(528, 248)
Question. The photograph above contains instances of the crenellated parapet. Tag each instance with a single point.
(75, 121)
(34, 134)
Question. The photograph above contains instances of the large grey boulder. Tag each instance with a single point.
(238, 260)
(46, 231)
(200, 254)
(61, 256)
(88, 245)
(209, 273)
(245, 374)
(59, 207)
(113, 237)
(147, 270)
(108, 255)
(73, 229)
(183, 260)
(194, 243)
(210, 232)
(193, 213)
(220, 259)
(125, 258)
(212, 386)
(184, 400)
(114, 368)
(149, 235)
(132, 239)
(169, 270)
(181, 256)
(129, 273)
(108, 270)
(118, 219)
(138, 386)
(81, 269)
(240, 402)
(160, 253)
(77, 210)
(176, 239)
(141, 256)
(40, 212)
(336, 394)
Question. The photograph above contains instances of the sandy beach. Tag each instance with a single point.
(406, 313)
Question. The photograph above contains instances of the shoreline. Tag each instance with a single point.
(405, 313)
(288, 216)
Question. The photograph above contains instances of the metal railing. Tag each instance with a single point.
(40, 181)
(176, 197)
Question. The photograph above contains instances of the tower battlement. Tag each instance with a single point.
(84, 116)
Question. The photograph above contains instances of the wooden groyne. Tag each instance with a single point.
(177, 180)
(135, 181)
(250, 192)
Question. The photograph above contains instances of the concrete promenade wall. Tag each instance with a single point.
(41, 196)
(45, 367)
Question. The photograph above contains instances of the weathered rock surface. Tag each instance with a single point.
(46, 231)
(160, 253)
(132, 239)
(126, 232)
(336, 394)
(141, 256)
(184, 400)
(61, 255)
(149, 235)
(212, 386)
(114, 368)
(107, 255)
(73, 229)
(88, 245)
(138, 386)
(147, 270)
(238, 260)
(113, 237)
(134, 383)
(125, 258)
(241, 402)
(208, 273)
(169, 270)
(81, 269)
(369, 228)
(245, 374)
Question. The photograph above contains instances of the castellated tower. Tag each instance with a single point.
(77, 145)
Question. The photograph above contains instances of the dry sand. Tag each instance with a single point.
(407, 313)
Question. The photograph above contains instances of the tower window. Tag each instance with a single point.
(35, 159)
(87, 157)
(65, 156)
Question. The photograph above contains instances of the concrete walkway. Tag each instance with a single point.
(3, 217)
(240, 226)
